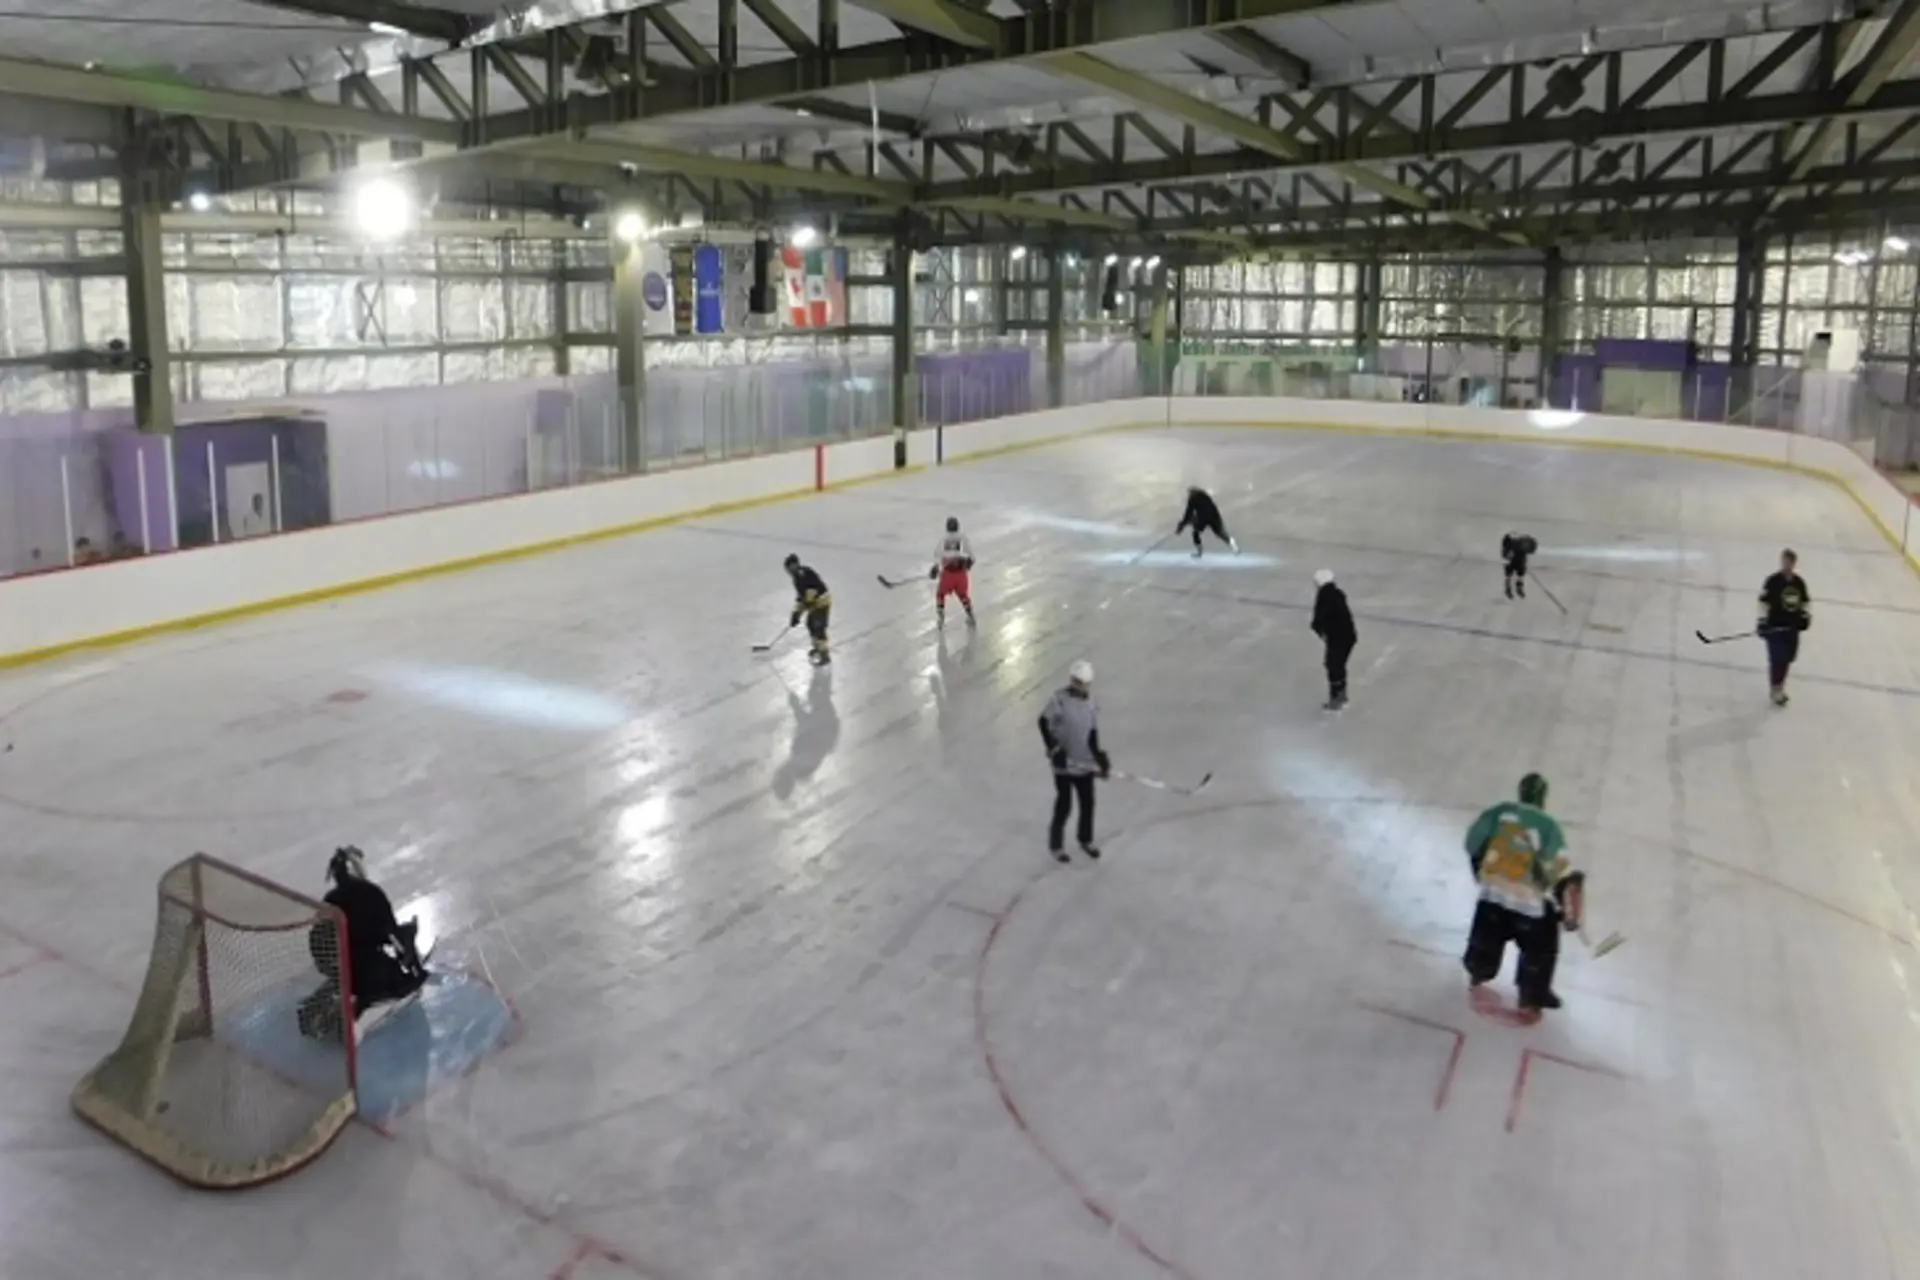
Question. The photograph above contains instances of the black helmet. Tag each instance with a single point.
(1533, 790)
(347, 863)
(953, 524)
(791, 563)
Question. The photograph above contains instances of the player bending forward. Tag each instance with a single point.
(1203, 514)
(1784, 613)
(1070, 726)
(952, 561)
(811, 601)
(1514, 550)
(1529, 891)
(384, 965)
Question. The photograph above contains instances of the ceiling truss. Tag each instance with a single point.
(1591, 145)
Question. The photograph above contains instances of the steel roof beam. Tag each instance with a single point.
(1284, 65)
(947, 19)
(431, 24)
(169, 97)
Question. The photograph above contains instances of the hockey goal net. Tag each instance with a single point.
(238, 1066)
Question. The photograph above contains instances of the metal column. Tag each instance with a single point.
(1366, 326)
(561, 312)
(142, 201)
(630, 351)
(1157, 333)
(1552, 323)
(905, 387)
(1057, 329)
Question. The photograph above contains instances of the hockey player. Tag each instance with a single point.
(1514, 549)
(1070, 726)
(1203, 514)
(1333, 623)
(810, 601)
(952, 561)
(1784, 614)
(383, 958)
(1529, 891)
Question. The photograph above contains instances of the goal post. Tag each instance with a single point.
(238, 1064)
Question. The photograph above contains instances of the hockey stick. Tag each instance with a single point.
(1549, 590)
(1158, 785)
(891, 583)
(1738, 635)
(768, 646)
(1612, 942)
(1159, 542)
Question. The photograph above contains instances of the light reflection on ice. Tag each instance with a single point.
(1213, 561)
(506, 695)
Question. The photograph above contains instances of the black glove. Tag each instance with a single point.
(1802, 622)
(934, 572)
(968, 566)
(1106, 765)
(1057, 756)
(793, 619)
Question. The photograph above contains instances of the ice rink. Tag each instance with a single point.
(801, 996)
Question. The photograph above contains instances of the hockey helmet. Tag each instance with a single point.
(1533, 790)
(1081, 673)
(347, 863)
(953, 524)
(1321, 577)
(791, 563)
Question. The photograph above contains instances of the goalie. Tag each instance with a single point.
(384, 964)
(1529, 892)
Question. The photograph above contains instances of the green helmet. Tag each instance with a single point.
(1533, 790)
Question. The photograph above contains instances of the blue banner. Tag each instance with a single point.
(708, 292)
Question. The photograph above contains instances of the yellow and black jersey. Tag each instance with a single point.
(809, 590)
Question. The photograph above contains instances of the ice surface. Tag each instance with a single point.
(802, 997)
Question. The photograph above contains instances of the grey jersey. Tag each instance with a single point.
(954, 551)
(1073, 721)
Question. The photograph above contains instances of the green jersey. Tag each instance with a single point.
(1519, 854)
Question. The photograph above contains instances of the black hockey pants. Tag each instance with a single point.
(1537, 937)
(1065, 787)
(1217, 527)
(1783, 646)
(1338, 651)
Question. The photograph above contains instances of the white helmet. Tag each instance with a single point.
(1081, 672)
(1322, 577)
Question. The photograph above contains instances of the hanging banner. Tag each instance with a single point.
(736, 312)
(816, 266)
(656, 292)
(709, 284)
(681, 256)
(793, 269)
(837, 288)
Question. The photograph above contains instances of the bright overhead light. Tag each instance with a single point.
(1137, 263)
(383, 209)
(1850, 257)
(199, 201)
(803, 113)
(1153, 263)
(630, 226)
(971, 295)
(803, 237)
(386, 29)
(1112, 259)
(1073, 259)
(1898, 244)
(1016, 253)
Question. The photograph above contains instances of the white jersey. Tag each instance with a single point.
(954, 552)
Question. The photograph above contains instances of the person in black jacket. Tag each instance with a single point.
(1784, 614)
(810, 601)
(1514, 550)
(1333, 623)
(383, 958)
(1203, 514)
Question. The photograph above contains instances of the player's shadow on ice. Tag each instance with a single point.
(816, 731)
(949, 665)
(1726, 732)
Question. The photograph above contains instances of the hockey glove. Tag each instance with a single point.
(1106, 765)
(968, 566)
(1803, 622)
(793, 619)
(933, 573)
(1057, 757)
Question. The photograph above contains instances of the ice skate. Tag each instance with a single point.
(971, 620)
(820, 658)
(1091, 850)
(1779, 696)
(1196, 553)
(1059, 855)
(940, 618)
(1509, 588)
(1520, 589)
(1545, 1000)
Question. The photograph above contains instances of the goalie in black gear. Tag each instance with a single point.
(383, 957)
(810, 601)
(1203, 515)
(1514, 549)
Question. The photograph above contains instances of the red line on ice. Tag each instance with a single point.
(1453, 1055)
(1527, 1057)
(982, 1035)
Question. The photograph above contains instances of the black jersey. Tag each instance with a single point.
(1332, 618)
(809, 589)
(1201, 512)
(1516, 547)
(1784, 603)
(369, 913)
